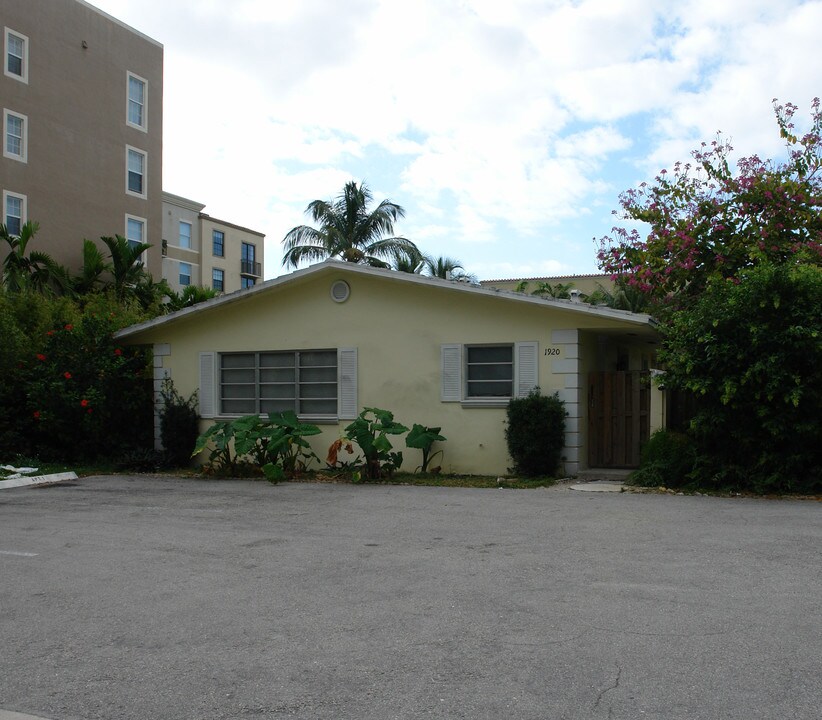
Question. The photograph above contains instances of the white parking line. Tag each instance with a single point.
(18, 554)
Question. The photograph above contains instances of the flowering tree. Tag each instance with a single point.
(732, 265)
(708, 222)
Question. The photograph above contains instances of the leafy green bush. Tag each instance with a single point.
(667, 460)
(275, 446)
(178, 424)
(86, 397)
(751, 352)
(371, 434)
(535, 433)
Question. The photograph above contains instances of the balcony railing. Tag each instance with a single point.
(249, 267)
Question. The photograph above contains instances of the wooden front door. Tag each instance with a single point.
(618, 418)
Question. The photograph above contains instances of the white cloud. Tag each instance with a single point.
(492, 123)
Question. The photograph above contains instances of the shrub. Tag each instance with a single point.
(535, 433)
(275, 446)
(88, 398)
(178, 424)
(371, 434)
(667, 460)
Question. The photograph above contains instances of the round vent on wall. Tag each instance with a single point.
(340, 291)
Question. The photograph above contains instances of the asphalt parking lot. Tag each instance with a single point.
(143, 598)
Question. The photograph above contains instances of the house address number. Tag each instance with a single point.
(552, 351)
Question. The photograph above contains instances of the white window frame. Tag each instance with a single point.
(24, 75)
(214, 279)
(181, 274)
(144, 233)
(144, 155)
(144, 106)
(24, 136)
(23, 207)
(454, 373)
(180, 235)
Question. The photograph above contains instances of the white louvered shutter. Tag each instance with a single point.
(527, 367)
(451, 367)
(208, 384)
(347, 383)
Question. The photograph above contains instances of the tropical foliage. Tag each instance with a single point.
(350, 230)
(732, 266)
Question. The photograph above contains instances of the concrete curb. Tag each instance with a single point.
(35, 480)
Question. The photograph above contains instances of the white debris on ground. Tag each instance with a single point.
(15, 472)
(22, 477)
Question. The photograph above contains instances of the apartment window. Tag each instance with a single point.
(15, 145)
(247, 282)
(185, 234)
(14, 212)
(248, 252)
(17, 56)
(263, 382)
(218, 243)
(217, 279)
(136, 111)
(489, 374)
(135, 230)
(136, 172)
(185, 273)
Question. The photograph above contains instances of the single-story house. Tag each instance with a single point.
(334, 338)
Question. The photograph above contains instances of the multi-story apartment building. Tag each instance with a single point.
(82, 102)
(201, 250)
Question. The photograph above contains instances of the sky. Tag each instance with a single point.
(506, 130)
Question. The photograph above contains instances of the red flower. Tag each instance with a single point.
(50, 333)
(36, 414)
(89, 411)
(67, 375)
(69, 327)
(41, 357)
(84, 403)
(118, 352)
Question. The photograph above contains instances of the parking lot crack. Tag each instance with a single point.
(608, 689)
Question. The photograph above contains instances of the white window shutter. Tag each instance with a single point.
(527, 367)
(208, 384)
(347, 383)
(451, 366)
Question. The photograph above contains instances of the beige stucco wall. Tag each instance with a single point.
(176, 210)
(398, 329)
(230, 264)
(75, 101)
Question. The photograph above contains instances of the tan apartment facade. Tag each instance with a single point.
(202, 250)
(82, 96)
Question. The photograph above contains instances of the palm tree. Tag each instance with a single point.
(91, 271)
(348, 230)
(622, 297)
(558, 291)
(36, 270)
(446, 268)
(126, 266)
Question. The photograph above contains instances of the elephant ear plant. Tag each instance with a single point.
(276, 445)
(370, 431)
(423, 438)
